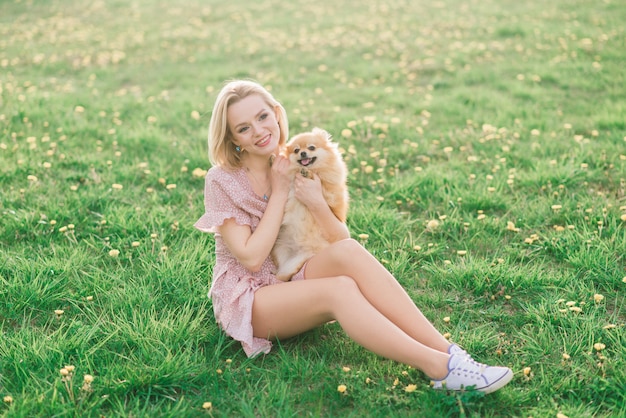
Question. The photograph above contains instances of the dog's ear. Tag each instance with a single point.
(319, 132)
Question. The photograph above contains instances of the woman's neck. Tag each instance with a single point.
(260, 164)
(258, 172)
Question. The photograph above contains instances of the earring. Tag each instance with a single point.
(238, 148)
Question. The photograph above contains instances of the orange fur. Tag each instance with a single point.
(300, 237)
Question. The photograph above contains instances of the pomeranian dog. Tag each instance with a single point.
(299, 238)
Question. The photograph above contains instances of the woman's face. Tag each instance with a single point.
(254, 125)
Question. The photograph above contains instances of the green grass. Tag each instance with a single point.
(503, 120)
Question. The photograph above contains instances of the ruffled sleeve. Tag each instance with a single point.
(222, 200)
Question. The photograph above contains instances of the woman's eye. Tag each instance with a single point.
(263, 116)
(243, 129)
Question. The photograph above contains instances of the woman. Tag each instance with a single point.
(244, 201)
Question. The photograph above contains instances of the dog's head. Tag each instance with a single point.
(312, 150)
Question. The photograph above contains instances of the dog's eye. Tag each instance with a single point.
(296, 151)
(311, 147)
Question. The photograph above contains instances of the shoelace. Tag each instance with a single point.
(472, 369)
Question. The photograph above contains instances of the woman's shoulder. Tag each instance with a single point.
(218, 173)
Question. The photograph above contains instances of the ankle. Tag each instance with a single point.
(439, 369)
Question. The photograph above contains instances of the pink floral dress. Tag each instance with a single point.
(228, 194)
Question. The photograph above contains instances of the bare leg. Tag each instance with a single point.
(382, 290)
(285, 310)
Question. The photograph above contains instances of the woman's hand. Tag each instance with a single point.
(281, 180)
(309, 191)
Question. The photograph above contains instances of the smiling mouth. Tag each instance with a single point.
(263, 141)
(305, 162)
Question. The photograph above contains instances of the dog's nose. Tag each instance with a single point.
(303, 154)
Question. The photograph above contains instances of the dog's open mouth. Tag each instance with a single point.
(305, 162)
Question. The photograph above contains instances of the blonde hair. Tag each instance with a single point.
(221, 147)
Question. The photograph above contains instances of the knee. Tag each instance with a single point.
(335, 292)
(348, 244)
(346, 249)
(344, 286)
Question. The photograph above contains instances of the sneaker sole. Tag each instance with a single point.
(506, 378)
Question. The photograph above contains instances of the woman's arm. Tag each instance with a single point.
(252, 248)
(309, 192)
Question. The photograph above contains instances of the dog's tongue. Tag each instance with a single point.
(305, 161)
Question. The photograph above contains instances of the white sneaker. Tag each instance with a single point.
(455, 349)
(464, 372)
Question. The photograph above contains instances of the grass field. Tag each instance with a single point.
(486, 142)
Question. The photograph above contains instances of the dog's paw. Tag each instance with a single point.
(305, 173)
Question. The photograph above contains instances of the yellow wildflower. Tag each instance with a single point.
(410, 388)
(432, 224)
(198, 172)
(511, 227)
